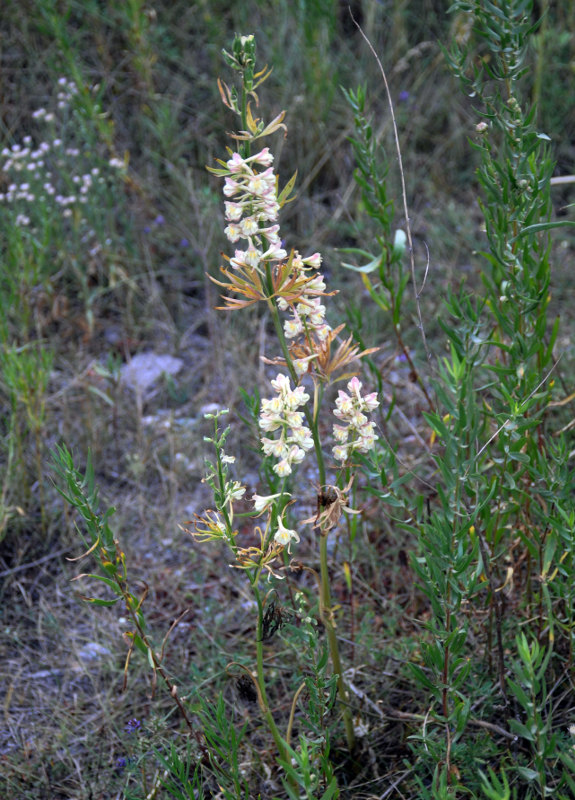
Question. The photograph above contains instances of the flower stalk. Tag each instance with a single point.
(293, 290)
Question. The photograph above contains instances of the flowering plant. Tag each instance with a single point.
(59, 186)
(294, 291)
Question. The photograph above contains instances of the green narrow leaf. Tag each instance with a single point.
(421, 677)
(102, 395)
(550, 547)
(95, 601)
(521, 730)
(331, 790)
(544, 226)
(287, 190)
(138, 643)
(366, 268)
(108, 581)
(527, 773)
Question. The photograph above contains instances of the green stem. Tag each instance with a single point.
(278, 739)
(155, 660)
(245, 147)
(327, 615)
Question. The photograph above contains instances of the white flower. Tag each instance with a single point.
(274, 447)
(264, 157)
(343, 405)
(233, 232)
(263, 502)
(296, 454)
(340, 433)
(252, 256)
(298, 397)
(248, 227)
(236, 163)
(340, 452)
(301, 365)
(269, 421)
(270, 209)
(293, 327)
(285, 536)
(274, 253)
(302, 436)
(234, 491)
(313, 261)
(294, 419)
(282, 468)
(262, 184)
(281, 413)
(316, 284)
(234, 211)
(281, 383)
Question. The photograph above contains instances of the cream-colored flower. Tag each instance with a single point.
(263, 502)
(285, 536)
(234, 491)
(234, 211)
(283, 468)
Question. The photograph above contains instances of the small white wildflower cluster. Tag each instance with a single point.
(51, 176)
(280, 413)
(308, 313)
(357, 433)
(254, 210)
(67, 91)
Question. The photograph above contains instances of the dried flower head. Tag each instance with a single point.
(331, 503)
(207, 526)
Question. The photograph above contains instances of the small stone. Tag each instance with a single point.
(92, 651)
(144, 370)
